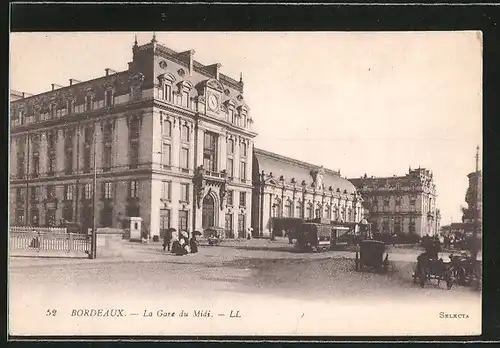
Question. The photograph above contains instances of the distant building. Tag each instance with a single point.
(456, 229)
(401, 204)
(473, 197)
(287, 188)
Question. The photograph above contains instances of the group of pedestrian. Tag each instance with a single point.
(181, 245)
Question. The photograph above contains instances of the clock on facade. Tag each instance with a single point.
(212, 102)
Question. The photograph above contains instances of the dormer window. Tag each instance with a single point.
(53, 109)
(167, 90)
(185, 99)
(71, 106)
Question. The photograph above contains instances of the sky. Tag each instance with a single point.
(365, 102)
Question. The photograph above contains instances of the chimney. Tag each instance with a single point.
(110, 71)
(215, 68)
(73, 82)
(56, 86)
(187, 56)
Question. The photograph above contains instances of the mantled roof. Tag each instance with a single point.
(290, 168)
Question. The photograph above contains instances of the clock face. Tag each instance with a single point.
(212, 102)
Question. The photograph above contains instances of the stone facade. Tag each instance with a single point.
(172, 140)
(288, 188)
(401, 204)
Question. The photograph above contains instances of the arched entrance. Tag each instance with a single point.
(208, 212)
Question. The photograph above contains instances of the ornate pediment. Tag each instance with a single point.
(212, 83)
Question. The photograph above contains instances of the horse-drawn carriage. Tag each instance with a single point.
(372, 254)
(433, 268)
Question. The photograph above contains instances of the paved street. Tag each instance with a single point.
(259, 269)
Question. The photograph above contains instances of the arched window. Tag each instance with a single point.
(298, 209)
(185, 133)
(243, 150)
(327, 214)
(167, 129)
(309, 211)
(288, 208)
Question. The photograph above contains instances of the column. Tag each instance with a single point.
(199, 148)
(121, 145)
(176, 145)
(76, 148)
(222, 153)
(60, 153)
(146, 124)
(236, 213)
(13, 155)
(174, 204)
(155, 189)
(266, 214)
(98, 148)
(249, 160)
(236, 158)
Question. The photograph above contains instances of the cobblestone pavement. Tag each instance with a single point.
(250, 273)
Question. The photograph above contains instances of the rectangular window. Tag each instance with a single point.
(88, 103)
(230, 147)
(134, 189)
(398, 201)
(134, 155)
(87, 191)
(20, 195)
(229, 197)
(106, 160)
(108, 190)
(166, 155)
(185, 99)
(168, 93)
(68, 192)
(386, 202)
(185, 134)
(210, 152)
(166, 190)
(183, 220)
(36, 166)
(86, 160)
(109, 98)
(35, 193)
(167, 129)
(164, 220)
(412, 201)
(185, 158)
(231, 115)
(243, 199)
(185, 192)
(71, 105)
(230, 167)
(241, 225)
(243, 171)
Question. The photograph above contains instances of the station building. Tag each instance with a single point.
(285, 188)
(172, 139)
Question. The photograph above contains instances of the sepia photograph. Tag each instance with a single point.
(245, 183)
